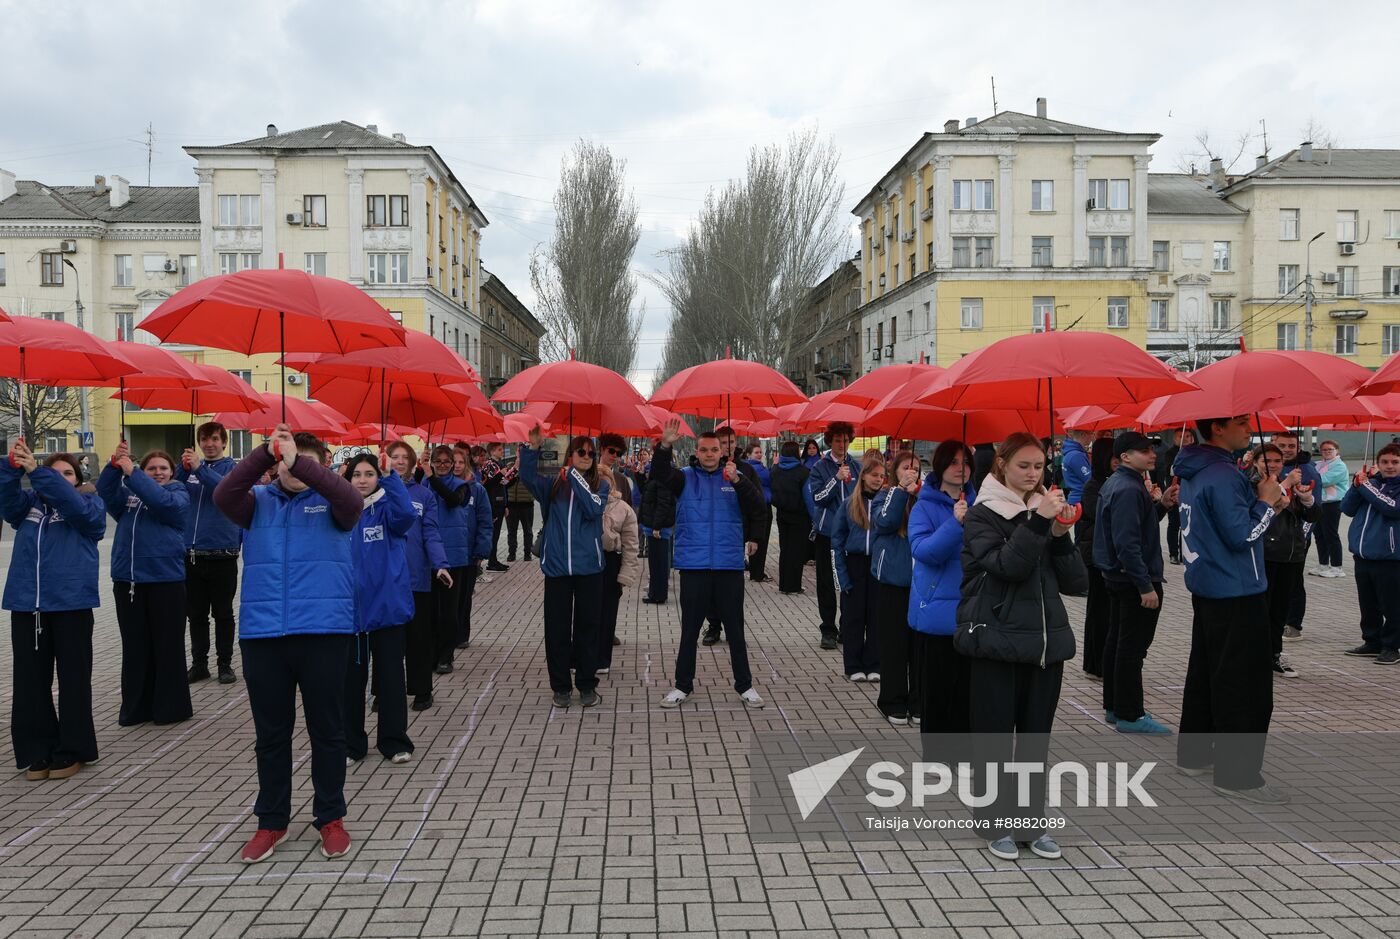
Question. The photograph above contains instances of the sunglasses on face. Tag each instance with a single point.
(612, 450)
(585, 452)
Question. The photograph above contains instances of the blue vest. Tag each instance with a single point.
(298, 577)
(709, 524)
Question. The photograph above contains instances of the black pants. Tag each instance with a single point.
(464, 601)
(273, 670)
(1327, 534)
(901, 673)
(571, 609)
(860, 647)
(1298, 597)
(794, 547)
(1174, 533)
(658, 568)
(447, 607)
(60, 642)
(210, 585)
(720, 592)
(498, 517)
(1012, 708)
(826, 585)
(520, 516)
(155, 685)
(420, 646)
(1285, 580)
(1097, 615)
(945, 687)
(1229, 690)
(385, 648)
(758, 564)
(609, 598)
(1378, 588)
(1131, 628)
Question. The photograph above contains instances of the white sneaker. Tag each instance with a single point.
(856, 676)
(898, 720)
(673, 698)
(1317, 571)
(751, 699)
(602, 671)
(872, 676)
(483, 578)
(1337, 572)
(401, 757)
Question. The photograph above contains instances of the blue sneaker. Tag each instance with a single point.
(1004, 848)
(1143, 725)
(1110, 717)
(1045, 847)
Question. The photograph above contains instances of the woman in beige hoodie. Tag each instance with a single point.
(620, 549)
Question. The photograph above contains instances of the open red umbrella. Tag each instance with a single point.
(310, 417)
(900, 415)
(1385, 380)
(422, 360)
(223, 391)
(1092, 417)
(629, 420)
(362, 402)
(727, 388)
(821, 411)
(49, 352)
(363, 435)
(873, 387)
(156, 368)
(569, 380)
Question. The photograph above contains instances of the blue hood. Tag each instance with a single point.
(1077, 470)
(1222, 525)
(788, 462)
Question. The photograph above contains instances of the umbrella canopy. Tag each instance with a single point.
(364, 402)
(222, 391)
(1385, 380)
(900, 415)
(873, 387)
(366, 434)
(569, 381)
(821, 411)
(422, 360)
(1091, 417)
(274, 311)
(476, 424)
(155, 368)
(49, 352)
(310, 417)
(727, 388)
(629, 420)
(1038, 371)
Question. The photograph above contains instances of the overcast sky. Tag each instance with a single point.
(680, 90)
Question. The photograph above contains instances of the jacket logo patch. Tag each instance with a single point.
(314, 509)
(36, 514)
(418, 507)
(133, 502)
(726, 488)
(374, 533)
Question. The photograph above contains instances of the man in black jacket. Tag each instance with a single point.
(657, 516)
(788, 480)
(715, 629)
(1128, 552)
(493, 478)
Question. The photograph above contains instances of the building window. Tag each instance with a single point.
(982, 256)
(240, 442)
(1287, 224)
(962, 252)
(1345, 341)
(2, 268)
(1392, 223)
(1159, 315)
(122, 270)
(55, 441)
(1042, 314)
(930, 256)
(250, 262)
(313, 211)
(228, 211)
(398, 211)
(53, 316)
(240, 211)
(376, 212)
(189, 263)
(1220, 257)
(1346, 281)
(962, 193)
(1098, 193)
(55, 393)
(1096, 251)
(377, 271)
(1346, 225)
(1390, 339)
(316, 263)
(398, 268)
(231, 263)
(126, 327)
(457, 340)
(1118, 194)
(51, 269)
(1042, 251)
(1390, 281)
(1042, 195)
(971, 312)
(913, 265)
(1220, 314)
(1287, 279)
(1117, 312)
(984, 194)
(1287, 337)
(1118, 246)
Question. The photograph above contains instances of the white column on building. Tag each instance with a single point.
(1142, 251)
(869, 232)
(269, 216)
(418, 225)
(356, 189)
(454, 235)
(207, 215)
(1006, 209)
(942, 200)
(1081, 213)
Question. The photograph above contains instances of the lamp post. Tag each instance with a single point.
(1308, 293)
(83, 424)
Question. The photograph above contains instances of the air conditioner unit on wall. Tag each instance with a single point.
(1347, 247)
(171, 267)
(889, 351)
(1329, 278)
(875, 353)
(295, 379)
(68, 247)
(293, 218)
(907, 236)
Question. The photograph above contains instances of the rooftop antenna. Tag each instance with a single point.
(150, 149)
(994, 95)
(1265, 128)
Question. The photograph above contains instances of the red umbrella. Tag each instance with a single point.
(823, 410)
(224, 391)
(571, 383)
(310, 417)
(873, 387)
(629, 420)
(1092, 417)
(726, 388)
(366, 434)
(362, 402)
(900, 415)
(422, 360)
(49, 352)
(1385, 380)
(156, 368)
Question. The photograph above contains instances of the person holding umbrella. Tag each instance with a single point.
(427, 564)
(830, 483)
(716, 509)
(892, 566)
(852, 539)
(148, 579)
(657, 516)
(1285, 545)
(623, 562)
(493, 480)
(1097, 604)
(788, 481)
(572, 503)
(1373, 501)
(211, 554)
(51, 593)
(728, 454)
(758, 564)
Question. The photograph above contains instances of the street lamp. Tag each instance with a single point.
(83, 426)
(1308, 293)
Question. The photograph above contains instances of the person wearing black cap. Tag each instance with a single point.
(1128, 552)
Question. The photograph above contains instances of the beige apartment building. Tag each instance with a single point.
(510, 335)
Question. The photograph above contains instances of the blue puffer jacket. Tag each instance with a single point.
(826, 495)
(1077, 470)
(936, 541)
(149, 547)
(571, 544)
(1223, 524)
(709, 523)
(54, 555)
(298, 572)
(892, 561)
(383, 590)
(1375, 508)
(206, 528)
(763, 478)
(849, 538)
(423, 545)
(465, 527)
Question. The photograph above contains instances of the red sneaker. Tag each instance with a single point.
(261, 844)
(335, 840)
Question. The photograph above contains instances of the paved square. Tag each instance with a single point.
(514, 819)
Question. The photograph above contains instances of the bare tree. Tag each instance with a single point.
(759, 245)
(46, 410)
(1197, 160)
(582, 279)
(1320, 135)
